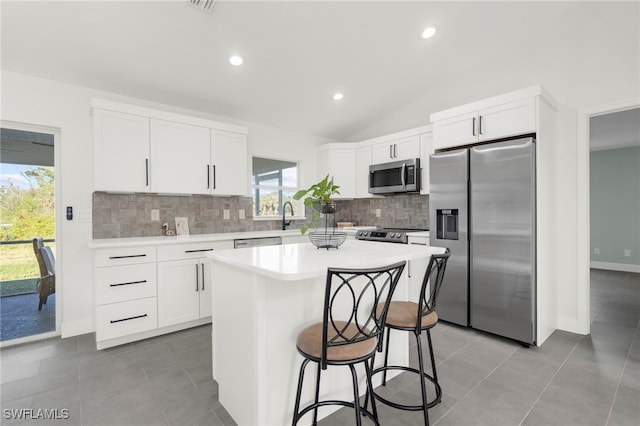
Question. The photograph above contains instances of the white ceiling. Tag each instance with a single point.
(297, 53)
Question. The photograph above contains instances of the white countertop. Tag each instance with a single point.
(160, 240)
(291, 262)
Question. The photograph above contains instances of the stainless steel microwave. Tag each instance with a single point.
(397, 176)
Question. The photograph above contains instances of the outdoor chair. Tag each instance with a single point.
(47, 264)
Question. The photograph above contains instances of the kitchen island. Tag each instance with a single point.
(262, 298)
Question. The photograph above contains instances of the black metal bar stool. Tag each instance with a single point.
(416, 318)
(355, 308)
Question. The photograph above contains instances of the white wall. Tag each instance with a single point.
(32, 100)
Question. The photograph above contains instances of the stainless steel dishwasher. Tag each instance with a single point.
(257, 242)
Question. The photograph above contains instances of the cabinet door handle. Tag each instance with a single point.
(202, 267)
(395, 151)
(390, 151)
(146, 171)
(473, 126)
(480, 125)
(208, 178)
(214, 176)
(197, 278)
(198, 251)
(128, 319)
(127, 257)
(128, 283)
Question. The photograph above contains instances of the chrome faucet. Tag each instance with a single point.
(286, 223)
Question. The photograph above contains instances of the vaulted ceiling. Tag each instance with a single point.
(298, 53)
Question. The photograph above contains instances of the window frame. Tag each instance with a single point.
(255, 191)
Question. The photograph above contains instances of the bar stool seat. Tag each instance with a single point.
(309, 342)
(416, 317)
(404, 315)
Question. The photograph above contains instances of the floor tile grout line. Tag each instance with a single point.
(550, 380)
(620, 376)
(479, 383)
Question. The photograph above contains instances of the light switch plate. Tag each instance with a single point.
(225, 214)
(241, 214)
(155, 215)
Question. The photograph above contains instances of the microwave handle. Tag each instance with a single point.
(404, 174)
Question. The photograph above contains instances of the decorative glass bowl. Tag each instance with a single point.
(322, 239)
(326, 207)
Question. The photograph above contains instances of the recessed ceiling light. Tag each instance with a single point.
(338, 96)
(236, 60)
(429, 32)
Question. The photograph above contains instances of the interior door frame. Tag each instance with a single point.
(583, 199)
(59, 212)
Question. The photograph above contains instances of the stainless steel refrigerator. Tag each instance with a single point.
(482, 207)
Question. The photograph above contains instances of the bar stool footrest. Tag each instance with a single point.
(364, 411)
(430, 404)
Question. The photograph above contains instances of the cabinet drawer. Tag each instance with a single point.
(124, 256)
(191, 250)
(122, 319)
(121, 283)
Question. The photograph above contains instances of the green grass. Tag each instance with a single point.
(11, 288)
(19, 262)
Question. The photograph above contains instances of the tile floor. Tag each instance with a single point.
(570, 380)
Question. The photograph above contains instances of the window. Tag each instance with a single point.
(274, 182)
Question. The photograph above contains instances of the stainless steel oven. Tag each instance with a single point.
(394, 177)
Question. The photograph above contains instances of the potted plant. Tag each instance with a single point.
(319, 198)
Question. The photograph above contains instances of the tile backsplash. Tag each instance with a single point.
(129, 215)
(401, 211)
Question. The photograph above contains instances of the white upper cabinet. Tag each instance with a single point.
(229, 164)
(500, 117)
(180, 158)
(143, 150)
(363, 161)
(396, 150)
(512, 119)
(121, 152)
(339, 161)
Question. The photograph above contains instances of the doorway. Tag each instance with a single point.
(29, 295)
(587, 119)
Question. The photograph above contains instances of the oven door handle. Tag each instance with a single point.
(404, 174)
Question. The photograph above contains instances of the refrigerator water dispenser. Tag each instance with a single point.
(447, 224)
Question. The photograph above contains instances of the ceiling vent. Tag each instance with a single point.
(206, 5)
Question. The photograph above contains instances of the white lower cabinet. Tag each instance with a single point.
(184, 281)
(184, 294)
(125, 292)
(126, 318)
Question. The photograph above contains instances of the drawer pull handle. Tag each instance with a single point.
(420, 244)
(197, 251)
(128, 283)
(128, 256)
(128, 319)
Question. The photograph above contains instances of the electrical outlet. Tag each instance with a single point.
(596, 250)
(378, 213)
(155, 215)
(241, 214)
(627, 253)
(225, 214)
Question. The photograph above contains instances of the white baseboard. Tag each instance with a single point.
(76, 328)
(625, 267)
